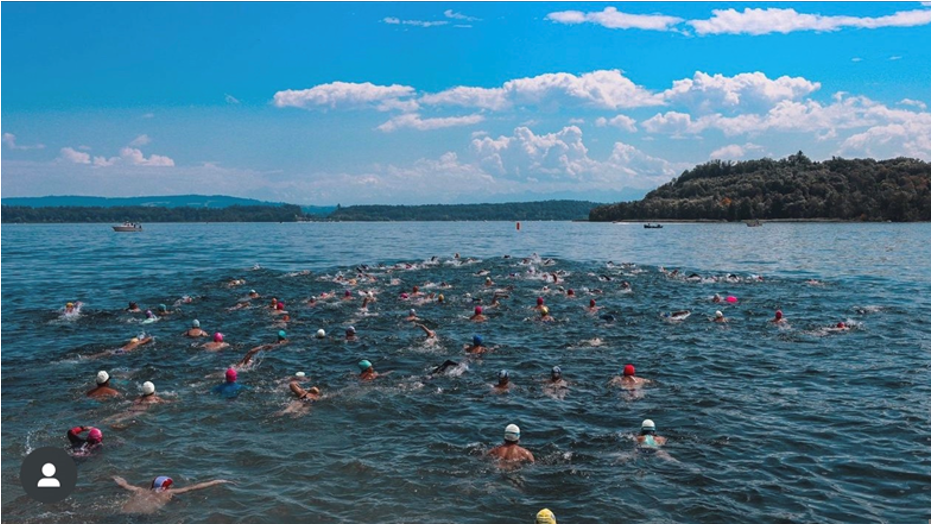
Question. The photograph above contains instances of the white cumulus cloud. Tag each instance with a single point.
(140, 140)
(449, 13)
(9, 140)
(755, 90)
(73, 155)
(622, 122)
(391, 20)
(612, 18)
(135, 157)
(760, 21)
(414, 121)
(734, 151)
(342, 94)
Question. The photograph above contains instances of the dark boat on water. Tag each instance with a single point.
(653, 226)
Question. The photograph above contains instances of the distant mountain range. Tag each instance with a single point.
(194, 201)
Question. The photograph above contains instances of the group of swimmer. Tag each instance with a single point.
(509, 452)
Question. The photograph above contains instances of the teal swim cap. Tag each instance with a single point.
(364, 365)
(282, 335)
(163, 307)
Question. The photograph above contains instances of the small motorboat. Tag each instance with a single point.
(653, 226)
(754, 223)
(128, 227)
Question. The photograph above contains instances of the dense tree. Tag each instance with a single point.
(547, 210)
(791, 188)
(148, 214)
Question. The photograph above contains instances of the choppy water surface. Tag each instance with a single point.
(765, 424)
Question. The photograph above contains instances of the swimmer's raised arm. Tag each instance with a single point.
(202, 485)
(126, 485)
(430, 333)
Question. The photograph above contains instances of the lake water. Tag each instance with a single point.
(764, 423)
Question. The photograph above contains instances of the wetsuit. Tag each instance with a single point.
(229, 389)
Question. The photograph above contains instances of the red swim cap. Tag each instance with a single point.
(540, 301)
(779, 314)
(280, 306)
(841, 325)
(629, 370)
(95, 436)
(231, 375)
(478, 310)
(591, 302)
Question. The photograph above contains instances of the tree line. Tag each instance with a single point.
(794, 187)
(545, 210)
(143, 214)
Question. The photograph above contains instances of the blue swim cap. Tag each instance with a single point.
(364, 365)
(282, 335)
(503, 373)
(477, 340)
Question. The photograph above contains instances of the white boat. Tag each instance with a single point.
(128, 227)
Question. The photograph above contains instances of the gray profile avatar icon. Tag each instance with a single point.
(48, 475)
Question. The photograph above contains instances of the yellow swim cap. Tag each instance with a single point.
(544, 311)
(134, 340)
(545, 516)
(70, 304)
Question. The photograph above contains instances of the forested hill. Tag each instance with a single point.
(146, 214)
(792, 188)
(547, 210)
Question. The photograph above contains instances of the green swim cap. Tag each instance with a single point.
(364, 365)
(282, 335)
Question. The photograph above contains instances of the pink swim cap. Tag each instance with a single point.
(478, 310)
(404, 295)
(540, 301)
(218, 337)
(231, 375)
(731, 299)
(778, 314)
(280, 306)
(95, 436)
(840, 325)
(629, 370)
(591, 302)
(347, 293)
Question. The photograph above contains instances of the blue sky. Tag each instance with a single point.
(405, 103)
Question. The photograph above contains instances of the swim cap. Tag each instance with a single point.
(404, 295)
(280, 306)
(488, 279)
(545, 516)
(570, 292)
(731, 299)
(231, 375)
(778, 314)
(415, 289)
(544, 311)
(95, 436)
(102, 377)
(163, 307)
(556, 370)
(252, 292)
(149, 313)
(719, 314)
(503, 373)
(440, 297)
(218, 337)
(195, 323)
(300, 374)
(512, 433)
(282, 335)
(648, 425)
(412, 312)
(161, 482)
(840, 325)
(69, 304)
(476, 340)
(148, 388)
(347, 293)
(134, 340)
(478, 310)
(591, 302)
(351, 330)
(321, 333)
(364, 365)
(540, 301)
(629, 370)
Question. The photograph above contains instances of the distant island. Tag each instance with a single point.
(795, 187)
(197, 208)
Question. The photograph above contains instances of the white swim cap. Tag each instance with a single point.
(196, 323)
(148, 388)
(412, 312)
(512, 433)
(300, 374)
(321, 333)
(102, 377)
(718, 314)
(648, 424)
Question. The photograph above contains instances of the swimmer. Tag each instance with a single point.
(311, 302)
(347, 295)
(140, 405)
(545, 315)
(150, 317)
(540, 304)
(69, 308)
(570, 293)
(85, 446)
(627, 380)
(282, 340)
(648, 441)
(440, 298)
(163, 310)
(351, 334)
(134, 343)
(103, 389)
(716, 298)
(412, 316)
(556, 386)
(217, 343)
(279, 309)
(478, 316)
(488, 282)
(839, 327)
(133, 308)
(159, 493)
(676, 316)
(301, 394)
(778, 318)
(476, 348)
(253, 294)
(504, 382)
(719, 317)
(429, 332)
(195, 330)
(510, 451)
(320, 333)
(545, 516)
(229, 388)
(625, 286)
(593, 308)
(415, 291)
(366, 371)
(273, 303)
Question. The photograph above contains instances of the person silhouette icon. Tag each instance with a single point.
(48, 470)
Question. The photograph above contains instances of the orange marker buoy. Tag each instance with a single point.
(518, 226)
